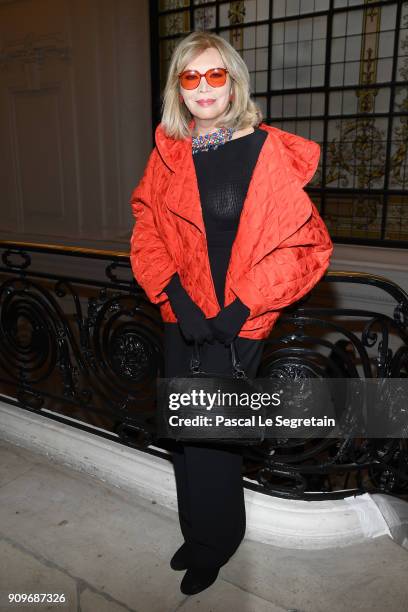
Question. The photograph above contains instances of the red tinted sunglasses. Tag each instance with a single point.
(190, 79)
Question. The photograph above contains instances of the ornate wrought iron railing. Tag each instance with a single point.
(86, 350)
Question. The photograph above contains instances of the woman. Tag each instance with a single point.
(225, 237)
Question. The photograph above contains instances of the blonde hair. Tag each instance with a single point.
(242, 111)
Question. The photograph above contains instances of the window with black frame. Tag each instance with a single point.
(334, 71)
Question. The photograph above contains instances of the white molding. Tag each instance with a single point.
(383, 261)
(355, 256)
(271, 520)
(35, 48)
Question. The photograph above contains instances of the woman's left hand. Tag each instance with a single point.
(228, 322)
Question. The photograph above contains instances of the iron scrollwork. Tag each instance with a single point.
(76, 347)
(330, 467)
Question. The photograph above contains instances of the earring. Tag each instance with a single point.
(231, 97)
(181, 98)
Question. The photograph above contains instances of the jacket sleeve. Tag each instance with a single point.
(151, 262)
(290, 271)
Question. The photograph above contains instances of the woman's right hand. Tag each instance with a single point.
(192, 322)
(196, 328)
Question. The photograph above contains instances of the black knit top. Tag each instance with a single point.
(223, 177)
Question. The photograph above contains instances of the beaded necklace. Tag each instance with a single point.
(211, 141)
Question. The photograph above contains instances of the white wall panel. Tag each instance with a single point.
(75, 118)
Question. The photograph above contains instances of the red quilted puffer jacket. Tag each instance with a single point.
(282, 247)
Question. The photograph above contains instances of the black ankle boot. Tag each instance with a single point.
(179, 559)
(196, 580)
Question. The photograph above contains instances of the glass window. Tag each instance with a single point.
(334, 72)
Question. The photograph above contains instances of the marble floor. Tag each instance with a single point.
(104, 550)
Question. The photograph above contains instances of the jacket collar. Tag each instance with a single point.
(173, 151)
(299, 155)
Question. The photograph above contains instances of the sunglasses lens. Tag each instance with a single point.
(217, 77)
(189, 80)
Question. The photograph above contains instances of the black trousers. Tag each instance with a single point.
(209, 484)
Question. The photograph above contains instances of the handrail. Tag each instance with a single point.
(66, 250)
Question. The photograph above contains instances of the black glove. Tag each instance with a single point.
(228, 322)
(191, 319)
